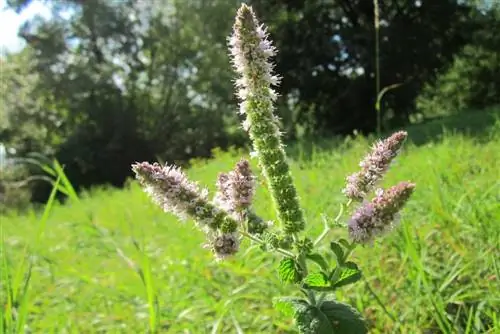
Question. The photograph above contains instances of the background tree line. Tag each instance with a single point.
(102, 83)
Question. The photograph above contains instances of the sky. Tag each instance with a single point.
(10, 22)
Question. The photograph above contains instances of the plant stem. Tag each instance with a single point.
(259, 241)
(377, 62)
(328, 227)
(301, 260)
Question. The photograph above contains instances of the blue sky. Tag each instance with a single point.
(10, 22)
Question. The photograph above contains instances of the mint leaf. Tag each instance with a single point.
(319, 260)
(311, 320)
(338, 251)
(289, 305)
(288, 271)
(343, 318)
(345, 243)
(316, 279)
(349, 273)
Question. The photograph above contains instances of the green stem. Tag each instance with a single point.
(259, 241)
(310, 296)
(301, 260)
(377, 62)
(328, 227)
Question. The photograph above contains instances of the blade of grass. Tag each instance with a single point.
(18, 286)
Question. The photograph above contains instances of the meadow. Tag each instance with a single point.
(111, 261)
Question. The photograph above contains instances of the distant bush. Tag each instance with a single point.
(471, 82)
(14, 192)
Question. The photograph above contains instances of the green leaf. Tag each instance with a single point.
(316, 279)
(349, 273)
(289, 306)
(344, 318)
(288, 271)
(338, 251)
(319, 260)
(311, 320)
(345, 243)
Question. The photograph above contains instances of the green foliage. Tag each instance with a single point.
(327, 60)
(344, 318)
(289, 271)
(345, 274)
(338, 251)
(317, 313)
(288, 305)
(117, 82)
(29, 119)
(447, 239)
(14, 191)
(330, 317)
(16, 278)
(311, 320)
(316, 281)
(471, 82)
(318, 259)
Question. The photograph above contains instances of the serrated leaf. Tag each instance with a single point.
(344, 318)
(288, 271)
(316, 279)
(311, 320)
(289, 305)
(349, 273)
(338, 251)
(319, 260)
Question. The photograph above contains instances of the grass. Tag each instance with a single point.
(111, 261)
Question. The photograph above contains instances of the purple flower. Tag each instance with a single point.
(169, 187)
(379, 216)
(374, 166)
(236, 188)
(250, 50)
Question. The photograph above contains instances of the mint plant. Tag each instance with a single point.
(228, 216)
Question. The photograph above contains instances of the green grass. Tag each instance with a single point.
(113, 262)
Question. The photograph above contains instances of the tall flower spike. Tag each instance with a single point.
(379, 216)
(250, 50)
(169, 187)
(374, 166)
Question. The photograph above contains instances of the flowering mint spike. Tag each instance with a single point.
(169, 187)
(236, 188)
(374, 218)
(374, 166)
(250, 50)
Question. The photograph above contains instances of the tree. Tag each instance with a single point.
(30, 120)
(327, 55)
(472, 81)
(134, 80)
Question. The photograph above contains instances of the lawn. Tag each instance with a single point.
(438, 272)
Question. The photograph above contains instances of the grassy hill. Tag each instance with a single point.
(439, 271)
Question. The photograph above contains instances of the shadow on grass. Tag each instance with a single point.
(477, 124)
